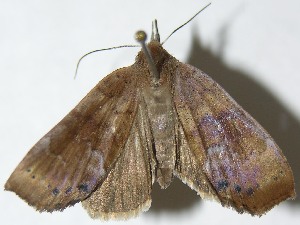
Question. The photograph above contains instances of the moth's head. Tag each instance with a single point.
(152, 52)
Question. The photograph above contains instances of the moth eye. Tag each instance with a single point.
(33, 177)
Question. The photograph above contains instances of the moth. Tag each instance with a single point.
(149, 122)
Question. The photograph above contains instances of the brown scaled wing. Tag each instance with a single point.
(68, 163)
(236, 156)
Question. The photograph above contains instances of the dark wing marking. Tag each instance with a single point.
(239, 158)
(67, 164)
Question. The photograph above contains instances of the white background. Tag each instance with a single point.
(250, 47)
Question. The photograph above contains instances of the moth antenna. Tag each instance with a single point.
(155, 34)
(141, 36)
(100, 50)
(185, 23)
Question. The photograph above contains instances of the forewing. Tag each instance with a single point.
(243, 164)
(66, 165)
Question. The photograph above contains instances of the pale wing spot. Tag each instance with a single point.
(217, 149)
(98, 156)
